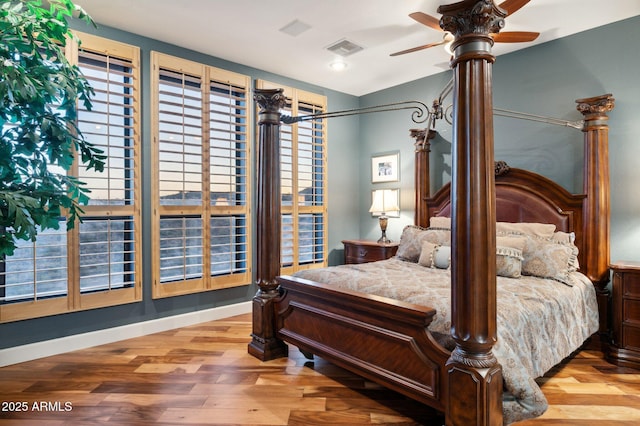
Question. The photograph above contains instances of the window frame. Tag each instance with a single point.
(75, 299)
(206, 210)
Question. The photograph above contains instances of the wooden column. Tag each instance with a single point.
(421, 173)
(264, 344)
(596, 211)
(474, 375)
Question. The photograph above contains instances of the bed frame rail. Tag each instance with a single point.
(350, 329)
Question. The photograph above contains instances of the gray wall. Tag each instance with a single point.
(543, 80)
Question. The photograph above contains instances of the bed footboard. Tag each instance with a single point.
(381, 339)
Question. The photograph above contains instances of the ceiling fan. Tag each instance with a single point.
(510, 6)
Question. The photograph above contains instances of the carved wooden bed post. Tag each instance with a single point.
(474, 374)
(596, 186)
(422, 173)
(264, 344)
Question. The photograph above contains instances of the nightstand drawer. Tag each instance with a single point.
(363, 251)
(631, 311)
(631, 285)
(631, 338)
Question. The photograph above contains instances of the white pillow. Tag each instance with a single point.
(435, 255)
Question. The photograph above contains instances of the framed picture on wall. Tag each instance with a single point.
(385, 167)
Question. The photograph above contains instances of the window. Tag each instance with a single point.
(201, 237)
(303, 182)
(98, 262)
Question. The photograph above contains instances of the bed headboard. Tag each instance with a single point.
(522, 196)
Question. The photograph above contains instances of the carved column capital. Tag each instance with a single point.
(596, 107)
(476, 17)
(270, 101)
(423, 138)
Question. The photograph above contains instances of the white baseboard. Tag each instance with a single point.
(37, 350)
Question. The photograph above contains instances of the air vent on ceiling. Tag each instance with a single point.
(295, 28)
(344, 47)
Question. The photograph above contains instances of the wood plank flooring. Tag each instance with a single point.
(202, 375)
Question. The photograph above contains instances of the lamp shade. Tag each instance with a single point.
(384, 201)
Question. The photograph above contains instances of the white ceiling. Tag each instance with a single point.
(247, 32)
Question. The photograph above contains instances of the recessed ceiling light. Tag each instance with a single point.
(338, 65)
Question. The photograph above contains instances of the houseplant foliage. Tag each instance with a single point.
(39, 93)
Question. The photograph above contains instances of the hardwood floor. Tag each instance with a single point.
(203, 375)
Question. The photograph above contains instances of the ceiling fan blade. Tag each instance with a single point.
(514, 36)
(512, 6)
(427, 20)
(415, 49)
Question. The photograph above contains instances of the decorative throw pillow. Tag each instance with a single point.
(440, 222)
(546, 259)
(435, 256)
(412, 237)
(512, 241)
(426, 254)
(509, 256)
(568, 239)
(564, 237)
(539, 230)
(442, 257)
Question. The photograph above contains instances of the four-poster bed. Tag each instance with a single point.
(390, 341)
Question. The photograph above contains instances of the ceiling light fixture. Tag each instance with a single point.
(338, 65)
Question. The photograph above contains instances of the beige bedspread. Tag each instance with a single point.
(540, 321)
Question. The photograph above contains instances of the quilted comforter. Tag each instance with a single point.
(540, 321)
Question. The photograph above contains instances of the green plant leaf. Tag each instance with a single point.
(39, 93)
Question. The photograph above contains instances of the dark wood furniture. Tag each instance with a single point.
(395, 348)
(363, 251)
(624, 349)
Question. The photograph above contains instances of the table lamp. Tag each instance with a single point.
(384, 201)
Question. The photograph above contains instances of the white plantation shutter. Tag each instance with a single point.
(97, 263)
(110, 126)
(202, 192)
(311, 186)
(229, 176)
(37, 270)
(109, 236)
(180, 138)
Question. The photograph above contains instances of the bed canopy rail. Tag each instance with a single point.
(577, 124)
(420, 114)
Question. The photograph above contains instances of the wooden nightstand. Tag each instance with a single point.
(362, 251)
(624, 349)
